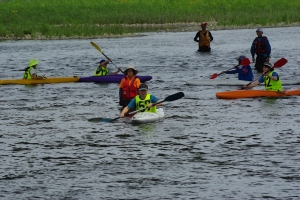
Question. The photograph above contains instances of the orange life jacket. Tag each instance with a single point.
(129, 91)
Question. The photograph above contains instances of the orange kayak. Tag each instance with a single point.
(238, 94)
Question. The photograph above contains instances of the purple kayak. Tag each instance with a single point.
(110, 78)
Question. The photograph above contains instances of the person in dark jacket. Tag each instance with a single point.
(262, 48)
(205, 38)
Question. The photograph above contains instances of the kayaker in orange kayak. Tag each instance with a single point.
(269, 77)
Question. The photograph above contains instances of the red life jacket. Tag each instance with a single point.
(129, 91)
(259, 46)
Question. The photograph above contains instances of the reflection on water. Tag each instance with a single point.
(205, 148)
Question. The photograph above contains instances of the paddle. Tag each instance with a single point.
(244, 62)
(98, 48)
(172, 97)
(279, 63)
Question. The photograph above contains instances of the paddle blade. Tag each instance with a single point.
(96, 46)
(214, 76)
(174, 97)
(245, 62)
(280, 63)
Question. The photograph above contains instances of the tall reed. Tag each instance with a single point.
(89, 18)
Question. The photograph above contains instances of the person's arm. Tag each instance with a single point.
(131, 105)
(210, 35)
(154, 99)
(124, 111)
(197, 36)
(113, 73)
(253, 84)
(274, 76)
(252, 51)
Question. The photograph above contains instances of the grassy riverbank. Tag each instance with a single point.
(38, 19)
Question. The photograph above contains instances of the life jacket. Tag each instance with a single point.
(142, 103)
(129, 91)
(101, 72)
(27, 74)
(260, 46)
(271, 84)
(204, 39)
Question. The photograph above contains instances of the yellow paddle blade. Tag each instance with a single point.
(96, 46)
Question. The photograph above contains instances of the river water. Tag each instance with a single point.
(205, 148)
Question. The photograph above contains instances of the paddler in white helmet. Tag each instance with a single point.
(269, 77)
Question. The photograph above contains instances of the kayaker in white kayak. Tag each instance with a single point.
(102, 70)
(32, 66)
(269, 77)
(244, 71)
(141, 101)
(129, 86)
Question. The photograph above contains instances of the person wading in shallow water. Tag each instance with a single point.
(129, 86)
(205, 38)
(262, 48)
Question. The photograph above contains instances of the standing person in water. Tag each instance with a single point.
(262, 48)
(129, 86)
(205, 38)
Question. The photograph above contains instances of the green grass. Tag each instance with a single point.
(91, 18)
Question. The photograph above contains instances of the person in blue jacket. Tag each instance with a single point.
(244, 71)
(262, 48)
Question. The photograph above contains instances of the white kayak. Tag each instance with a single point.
(232, 82)
(147, 117)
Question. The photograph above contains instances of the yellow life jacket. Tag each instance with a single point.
(27, 74)
(101, 72)
(142, 103)
(271, 84)
(204, 39)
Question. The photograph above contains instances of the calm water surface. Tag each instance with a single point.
(206, 148)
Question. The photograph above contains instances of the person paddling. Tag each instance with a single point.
(143, 100)
(269, 77)
(102, 70)
(244, 70)
(32, 66)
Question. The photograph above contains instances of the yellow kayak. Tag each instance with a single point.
(39, 81)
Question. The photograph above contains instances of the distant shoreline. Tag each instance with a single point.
(167, 27)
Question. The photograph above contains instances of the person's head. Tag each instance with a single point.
(143, 90)
(259, 32)
(240, 58)
(130, 71)
(32, 62)
(203, 25)
(267, 67)
(103, 63)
